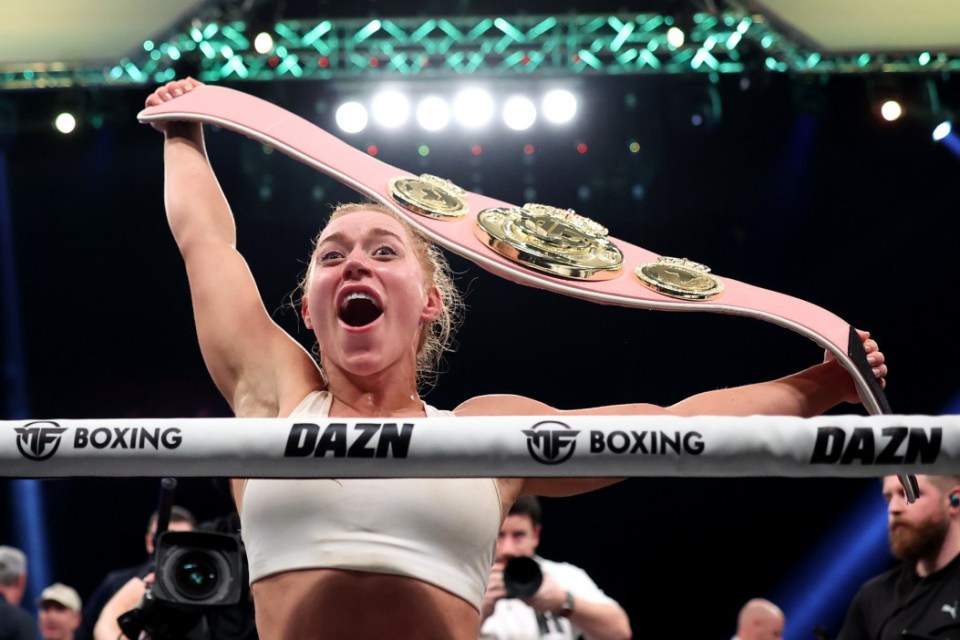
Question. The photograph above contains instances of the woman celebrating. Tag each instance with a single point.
(378, 558)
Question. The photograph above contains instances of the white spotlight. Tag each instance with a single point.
(519, 113)
(559, 106)
(675, 37)
(65, 122)
(351, 117)
(390, 109)
(433, 113)
(942, 130)
(263, 43)
(891, 110)
(473, 108)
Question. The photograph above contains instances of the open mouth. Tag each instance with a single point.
(359, 309)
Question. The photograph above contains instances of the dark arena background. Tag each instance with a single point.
(756, 145)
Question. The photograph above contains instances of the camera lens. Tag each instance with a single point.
(196, 575)
(522, 577)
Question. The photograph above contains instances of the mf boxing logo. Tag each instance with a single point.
(39, 440)
(551, 442)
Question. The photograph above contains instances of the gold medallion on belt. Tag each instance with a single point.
(679, 278)
(556, 241)
(429, 196)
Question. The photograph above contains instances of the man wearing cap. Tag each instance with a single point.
(59, 612)
(15, 623)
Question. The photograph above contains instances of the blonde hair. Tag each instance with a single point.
(435, 339)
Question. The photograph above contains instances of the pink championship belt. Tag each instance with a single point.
(534, 245)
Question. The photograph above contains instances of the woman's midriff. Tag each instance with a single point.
(334, 604)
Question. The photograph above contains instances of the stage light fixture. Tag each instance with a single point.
(898, 97)
(891, 110)
(519, 113)
(559, 106)
(390, 109)
(944, 135)
(263, 43)
(433, 113)
(351, 117)
(65, 122)
(675, 37)
(473, 108)
(942, 130)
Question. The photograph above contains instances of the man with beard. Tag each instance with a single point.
(921, 598)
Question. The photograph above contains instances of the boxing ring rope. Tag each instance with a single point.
(503, 446)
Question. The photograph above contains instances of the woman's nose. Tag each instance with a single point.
(356, 265)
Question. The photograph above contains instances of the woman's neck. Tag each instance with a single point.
(373, 396)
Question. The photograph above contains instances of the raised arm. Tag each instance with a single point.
(255, 364)
(807, 393)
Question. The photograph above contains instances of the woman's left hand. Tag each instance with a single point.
(875, 359)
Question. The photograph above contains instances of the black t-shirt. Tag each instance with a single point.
(15, 623)
(898, 603)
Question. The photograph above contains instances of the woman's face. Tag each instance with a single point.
(366, 299)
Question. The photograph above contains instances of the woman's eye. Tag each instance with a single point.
(384, 251)
(326, 256)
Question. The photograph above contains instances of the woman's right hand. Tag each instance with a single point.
(167, 92)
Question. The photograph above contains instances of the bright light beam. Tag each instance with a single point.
(473, 108)
(390, 109)
(433, 113)
(559, 106)
(891, 110)
(65, 123)
(351, 117)
(519, 113)
(942, 130)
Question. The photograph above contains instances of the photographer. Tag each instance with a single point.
(199, 591)
(179, 519)
(531, 597)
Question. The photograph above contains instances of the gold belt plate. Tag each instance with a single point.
(430, 196)
(556, 241)
(679, 278)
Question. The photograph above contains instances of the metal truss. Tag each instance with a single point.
(731, 42)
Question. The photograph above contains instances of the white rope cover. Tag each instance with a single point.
(504, 446)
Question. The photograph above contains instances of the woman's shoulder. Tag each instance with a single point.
(503, 404)
(315, 403)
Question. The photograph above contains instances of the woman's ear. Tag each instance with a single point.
(432, 307)
(305, 313)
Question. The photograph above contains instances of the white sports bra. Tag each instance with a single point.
(439, 530)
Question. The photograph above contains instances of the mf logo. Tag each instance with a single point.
(551, 442)
(39, 440)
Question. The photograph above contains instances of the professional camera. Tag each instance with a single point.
(197, 568)
(194, 572)
(522, 577)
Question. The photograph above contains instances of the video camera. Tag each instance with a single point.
(197, 568)
(194, 572)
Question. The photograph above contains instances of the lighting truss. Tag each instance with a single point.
(729, 42)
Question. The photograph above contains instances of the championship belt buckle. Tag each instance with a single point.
(679, 278)
(430, 196)
(556, 241)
